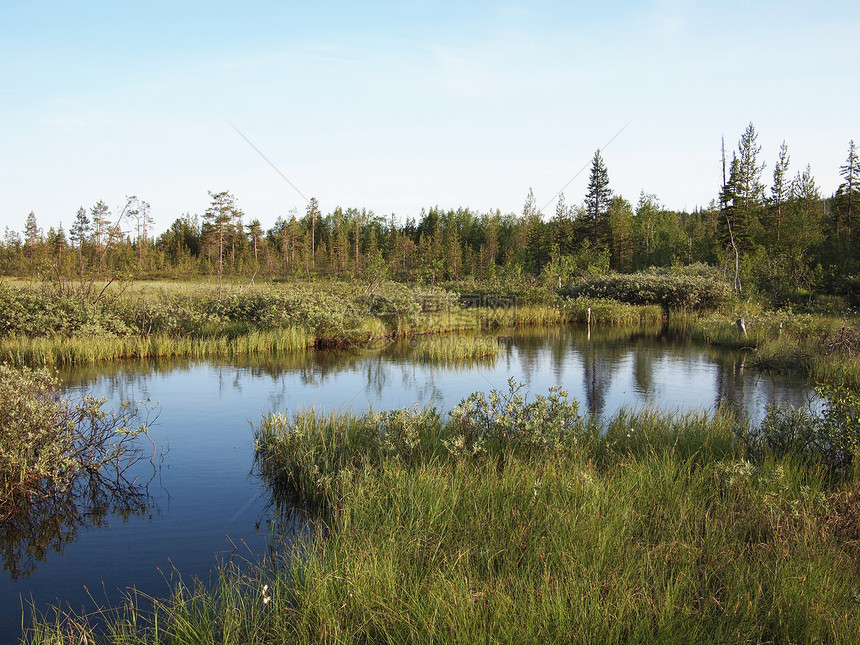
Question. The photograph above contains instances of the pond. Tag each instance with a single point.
(201, 504)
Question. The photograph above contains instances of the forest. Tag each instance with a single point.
(780, 242)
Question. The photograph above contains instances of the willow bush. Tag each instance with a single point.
(50, 443)
(691, 290)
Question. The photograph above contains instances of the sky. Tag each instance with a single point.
(399, 106)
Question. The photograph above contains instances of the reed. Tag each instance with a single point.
(610, 312)
(63, 350)
(455, 348)
(824, 348)
(311, 454)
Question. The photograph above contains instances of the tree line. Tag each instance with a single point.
(776, 240)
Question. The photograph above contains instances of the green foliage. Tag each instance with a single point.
(690, 290)
(795, 432)
(657, 528)
(311, 456)
(50, 444)
(506, 420)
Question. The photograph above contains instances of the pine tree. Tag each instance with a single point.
(598, 199)
(101, 225)
(255, 231)
(219, 216)
(313, 211)
(139, 210)
(80, 229)
(32, 235)
(56, 241)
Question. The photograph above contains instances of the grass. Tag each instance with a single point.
(63, 350)
(518, 520)
(611, 312)
(445, 349)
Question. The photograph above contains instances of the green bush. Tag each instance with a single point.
(49, 443)
(504, 420)
(671, 290)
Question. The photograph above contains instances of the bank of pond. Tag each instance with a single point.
(67, 323)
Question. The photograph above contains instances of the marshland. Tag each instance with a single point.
(618, 425)
(347, 509)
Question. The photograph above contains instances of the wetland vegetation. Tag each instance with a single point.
(517, 518)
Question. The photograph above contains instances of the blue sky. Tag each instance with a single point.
(403, 105)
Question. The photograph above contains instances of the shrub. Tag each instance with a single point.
(829, 439)
(49, 444)
(506, 419)
(670, 290)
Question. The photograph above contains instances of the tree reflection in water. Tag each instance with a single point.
(50, 519)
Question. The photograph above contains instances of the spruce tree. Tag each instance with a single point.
(729, 210)
(781, 189)
(561, 235)
(749, 191)
(850, 188)
(598, 199)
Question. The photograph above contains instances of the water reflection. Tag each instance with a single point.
(606, 369)
(50, 520)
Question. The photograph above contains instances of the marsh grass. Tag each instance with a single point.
(651, 527)
(62, 350)
(63, 324)
(446, 349)
(611, 312)
(655, 529)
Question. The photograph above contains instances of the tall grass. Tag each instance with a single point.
(610, 312)
(63, 350)
(444, 349)
(531, 524)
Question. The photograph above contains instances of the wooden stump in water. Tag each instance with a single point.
(588, 326)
